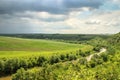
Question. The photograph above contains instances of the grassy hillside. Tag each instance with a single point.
(19, 44)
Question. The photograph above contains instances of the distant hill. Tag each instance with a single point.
(115, 39)
(69, 37)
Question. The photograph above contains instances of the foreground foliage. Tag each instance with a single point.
(69, 66)
(74, 70)
(11, 65)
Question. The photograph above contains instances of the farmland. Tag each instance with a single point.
(46, 59)
(18, 46)
(27, 52)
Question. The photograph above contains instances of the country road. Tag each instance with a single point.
(101, 51)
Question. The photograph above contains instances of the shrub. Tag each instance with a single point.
(82, 61)
(72, 57)
(104, 57)
(54, 59)
(1, 66)
(41, 60)
(62, 57)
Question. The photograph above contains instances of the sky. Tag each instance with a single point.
(60, 16)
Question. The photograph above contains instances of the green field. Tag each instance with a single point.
(19, 44)
(12, 47)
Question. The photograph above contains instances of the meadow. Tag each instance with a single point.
(13, 47)
(19, 44)
(46, 59)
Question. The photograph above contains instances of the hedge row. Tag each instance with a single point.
(11, 65)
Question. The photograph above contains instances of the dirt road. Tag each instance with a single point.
(101, 51)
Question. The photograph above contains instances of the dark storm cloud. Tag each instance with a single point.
(51, 6)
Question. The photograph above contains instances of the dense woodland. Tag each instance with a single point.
(70, 66)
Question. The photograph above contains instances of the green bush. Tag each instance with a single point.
(54, 59)
(72, 57)
(1, 66)
(82, 61)
(41, 60)
(104, 57)
(62, 57)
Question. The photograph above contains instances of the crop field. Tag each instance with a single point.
(19, 44)
(12, 47)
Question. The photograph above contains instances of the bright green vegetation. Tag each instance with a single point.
(9, 65)
(103, 70)
(27, 53)
(69, 63)
(12, 47)
(19, 44)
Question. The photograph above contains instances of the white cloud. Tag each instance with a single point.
(106, 22)
(111, 18)
(116, 1)
(93, 22)
(96, 23)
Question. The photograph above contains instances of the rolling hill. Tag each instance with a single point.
(18, 46)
